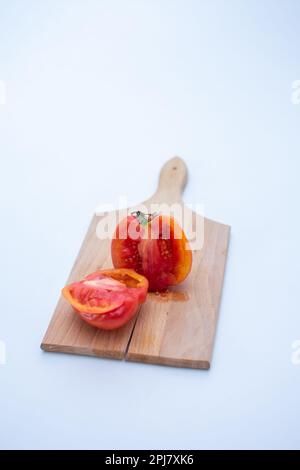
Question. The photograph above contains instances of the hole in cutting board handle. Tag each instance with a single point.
(172, 180)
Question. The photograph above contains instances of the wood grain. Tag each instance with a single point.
(67, 332)
(168, 330)
(181, 333)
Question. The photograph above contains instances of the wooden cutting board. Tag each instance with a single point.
(175, 329)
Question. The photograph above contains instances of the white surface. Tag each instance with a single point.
(98, 95)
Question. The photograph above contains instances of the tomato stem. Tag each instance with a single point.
(143, 218)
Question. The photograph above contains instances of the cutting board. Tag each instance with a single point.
(177, 328)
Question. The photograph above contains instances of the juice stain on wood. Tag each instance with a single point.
(167, 296)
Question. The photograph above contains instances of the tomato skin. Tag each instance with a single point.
(160, 252)
(107, 299)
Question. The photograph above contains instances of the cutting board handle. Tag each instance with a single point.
(172, 180)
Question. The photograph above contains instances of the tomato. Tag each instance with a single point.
(109, 298)
(155, 247)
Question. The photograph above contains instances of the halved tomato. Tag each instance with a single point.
(109, 298)
(155, 247)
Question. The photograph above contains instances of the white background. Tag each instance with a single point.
(99, 95)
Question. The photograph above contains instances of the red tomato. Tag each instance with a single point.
(107, 299)
(158, 249)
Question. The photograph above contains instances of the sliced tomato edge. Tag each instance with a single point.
(143, 281)
(83, 308)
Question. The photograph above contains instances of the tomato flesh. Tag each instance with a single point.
(125, 244)
(159, 250)
(107, 299)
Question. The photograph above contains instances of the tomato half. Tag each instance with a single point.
(109, 298)
(156, 248)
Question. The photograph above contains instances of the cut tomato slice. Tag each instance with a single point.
(108, 298)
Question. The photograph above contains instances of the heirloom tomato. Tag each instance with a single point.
(109, 298)
(154, 246)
